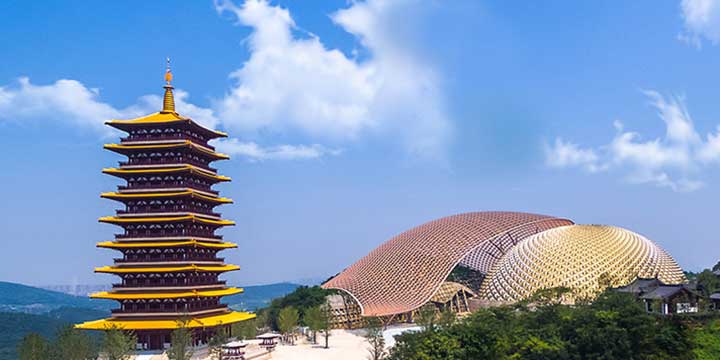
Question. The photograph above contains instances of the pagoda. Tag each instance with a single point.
(169, 267)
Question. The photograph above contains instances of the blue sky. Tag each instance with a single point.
(351, 122)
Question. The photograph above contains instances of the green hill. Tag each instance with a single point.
(28, 299)
(25, 309)
(14, 326)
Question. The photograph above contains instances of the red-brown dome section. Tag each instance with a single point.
(403, 273)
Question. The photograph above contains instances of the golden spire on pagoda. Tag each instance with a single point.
(168, 100)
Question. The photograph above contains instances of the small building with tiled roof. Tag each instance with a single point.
(715, 300)
(671, 299)
(663, 298)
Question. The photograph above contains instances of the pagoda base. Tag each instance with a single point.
(161, 339)
(156, 334)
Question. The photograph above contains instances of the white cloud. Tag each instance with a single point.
(255, 152)
(296, 83)
(64, 100)
(289, 84)
(710, 150)
(565, 154)
(72, 102)
(702, 20)
(672, 161)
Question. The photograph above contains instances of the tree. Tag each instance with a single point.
(447, 319)
(118, 344)
(245, 329)
(427, 345)
(301, 299)
(287, 322)
(314, 320)
(215, 345)
(426, 317)
(325, 322)
(181, 341)
(73, 344)
(716, 267)
(557, 295)
(261, 322)
(706, 341)
(374, 336)
(613, 326)
(34, 347)
(707, 282)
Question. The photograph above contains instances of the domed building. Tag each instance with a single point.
(407, 271)
(463, 261)
(586, 259)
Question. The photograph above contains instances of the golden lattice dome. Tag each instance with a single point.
(584, 258)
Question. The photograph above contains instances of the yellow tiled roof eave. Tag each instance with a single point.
(120, 147)
(191, 192)
(157, 117)
(163, 117)
(126, 270)
(191, 168)
(210, 321)
(139, 244)
(184, 294)
(130, 220)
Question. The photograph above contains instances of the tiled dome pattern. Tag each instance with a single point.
(577, 257)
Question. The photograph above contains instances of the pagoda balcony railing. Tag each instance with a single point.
(175, 136)
(165, 209)
(168, 258)
(203, 284)
(209, 235)
(173, 310)
(167, 161)
(154, 283)
(165, 185)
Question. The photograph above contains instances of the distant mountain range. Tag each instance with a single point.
(22, 298)
(25, 309)
(32, 300)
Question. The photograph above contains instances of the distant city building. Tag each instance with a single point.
(466, 261)
(77, 290)
(169, 266)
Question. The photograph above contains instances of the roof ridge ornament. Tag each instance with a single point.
(168, 99)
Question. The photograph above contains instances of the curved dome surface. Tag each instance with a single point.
(577, 257)
(403, 273)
